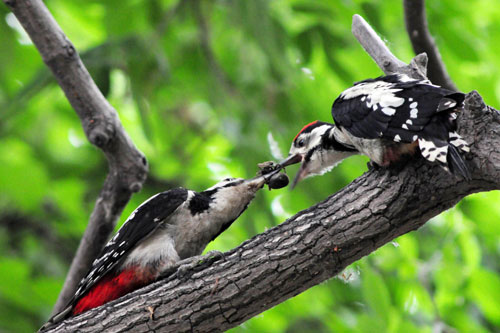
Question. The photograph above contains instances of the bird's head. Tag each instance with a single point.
(317, 148)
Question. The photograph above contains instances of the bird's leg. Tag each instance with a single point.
(372, 165)
(397, 166)
(184, 265)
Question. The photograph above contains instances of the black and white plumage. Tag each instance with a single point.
(385, 118)
(168, 227)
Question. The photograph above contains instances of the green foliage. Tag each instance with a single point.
(199, 88)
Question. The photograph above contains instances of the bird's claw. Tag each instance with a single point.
(372, 165)
(215, 255)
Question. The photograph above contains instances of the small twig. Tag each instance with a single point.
(127, 165)
(379, 52)
(422, 41)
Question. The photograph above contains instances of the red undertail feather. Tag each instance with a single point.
(113, 286)
(393, 153)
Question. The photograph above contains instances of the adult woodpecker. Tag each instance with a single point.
(166, 228)
(384, 118)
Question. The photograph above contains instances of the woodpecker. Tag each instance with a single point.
(168, 227)
(384, 119)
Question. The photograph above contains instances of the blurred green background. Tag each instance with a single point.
(203, 87)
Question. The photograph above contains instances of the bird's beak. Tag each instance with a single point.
(291, 159)
(303, 172)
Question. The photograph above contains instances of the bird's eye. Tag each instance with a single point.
(301, 143)
(228, 179)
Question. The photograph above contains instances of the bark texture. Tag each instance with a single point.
(214, 293)
(127, 165)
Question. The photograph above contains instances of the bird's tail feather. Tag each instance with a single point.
(58, 317)
(456, 163)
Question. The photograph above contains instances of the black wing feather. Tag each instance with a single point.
(139, 224)
(358, 112)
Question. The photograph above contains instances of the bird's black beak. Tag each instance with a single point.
(291, 159)
(301, 174)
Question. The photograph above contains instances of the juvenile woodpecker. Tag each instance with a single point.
(166, 228)
(384, 118)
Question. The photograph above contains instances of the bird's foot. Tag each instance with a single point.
(372, 165)
(183, 266)
(398, 166)
(215, 255)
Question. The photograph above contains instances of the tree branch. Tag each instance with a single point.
(376, 48)
(127, 165)
(422, 41)
(215, 294)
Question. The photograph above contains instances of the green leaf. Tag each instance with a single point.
(484, 290)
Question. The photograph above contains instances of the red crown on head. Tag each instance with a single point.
(303, 128)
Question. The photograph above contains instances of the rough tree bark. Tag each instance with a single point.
(217, 293)
(127, 165)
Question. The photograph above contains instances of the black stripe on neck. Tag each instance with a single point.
(329, 142)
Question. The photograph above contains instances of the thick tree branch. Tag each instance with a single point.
(309, 248)
(422, 41)
(215, 294)
(127, 165)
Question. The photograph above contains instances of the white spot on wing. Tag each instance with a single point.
(405, 78)
(378, 94)
(397, 138)
(404, 126)
(389, 111)
(413, 113)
